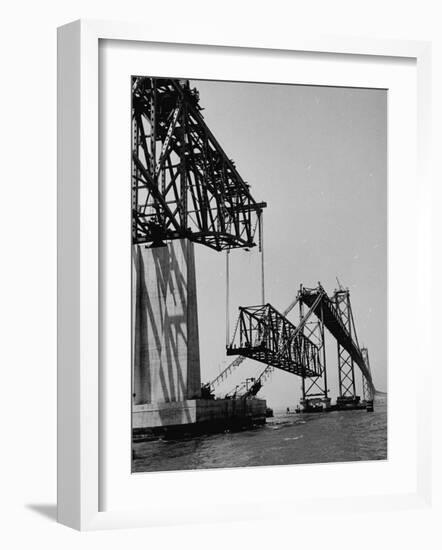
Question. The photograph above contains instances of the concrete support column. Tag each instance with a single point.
(166, 362)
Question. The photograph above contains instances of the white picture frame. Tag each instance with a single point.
(79, 391)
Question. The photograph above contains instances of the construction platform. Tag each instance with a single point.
(196, 416)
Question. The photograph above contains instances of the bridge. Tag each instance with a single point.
(337, 316)
(185, 186)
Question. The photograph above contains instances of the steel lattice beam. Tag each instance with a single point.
(346, 371)
(314, 389)
(183, 183)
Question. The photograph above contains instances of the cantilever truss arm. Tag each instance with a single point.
(183, 183)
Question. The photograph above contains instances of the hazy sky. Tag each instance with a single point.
(318, 157)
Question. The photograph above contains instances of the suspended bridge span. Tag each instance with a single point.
(267, 336)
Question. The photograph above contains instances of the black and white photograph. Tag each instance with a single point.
(220, 265)
(259, 274)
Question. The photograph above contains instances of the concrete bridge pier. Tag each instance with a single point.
(166, 362)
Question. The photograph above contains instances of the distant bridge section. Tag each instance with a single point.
(338, 320)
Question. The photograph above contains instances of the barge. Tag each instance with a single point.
(196, 416)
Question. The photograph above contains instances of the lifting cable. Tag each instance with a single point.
(261, 249)
(227, 298)
(239, 359)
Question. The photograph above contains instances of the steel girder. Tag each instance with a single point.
(183, 183)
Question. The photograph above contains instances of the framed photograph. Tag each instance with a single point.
(239, 225)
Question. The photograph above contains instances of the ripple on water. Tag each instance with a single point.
(339, 436)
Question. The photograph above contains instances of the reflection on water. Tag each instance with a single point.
(338, 436)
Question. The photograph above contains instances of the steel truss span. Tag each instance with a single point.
(264, 334)
(183, 183)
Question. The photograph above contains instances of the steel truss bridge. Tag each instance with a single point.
(184, 186)
(183, 183)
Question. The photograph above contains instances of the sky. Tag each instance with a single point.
(318, 157)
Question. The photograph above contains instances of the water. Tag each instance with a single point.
(338, 436)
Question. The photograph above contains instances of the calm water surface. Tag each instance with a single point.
(338, 436)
